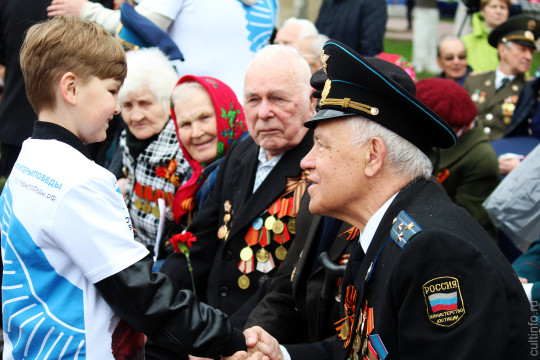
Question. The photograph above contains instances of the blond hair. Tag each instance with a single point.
(66, 44)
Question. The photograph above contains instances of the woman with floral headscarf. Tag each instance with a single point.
(209, 121)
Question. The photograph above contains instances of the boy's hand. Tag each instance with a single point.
(66, 8)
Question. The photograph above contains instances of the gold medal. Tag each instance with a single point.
(155, 212)
(269, 222)
(507, 120)
(243, 282)
(246, 254)
(364, 346)
(344, 332)
(278, 227)
(356, 343)
(146, 207)
(226, 218)
(262, 255)
(281, 252)
(137, 204)
(291, 226)
(222, 231)
(355, 356)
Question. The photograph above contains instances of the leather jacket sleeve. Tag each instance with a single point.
(174, 319)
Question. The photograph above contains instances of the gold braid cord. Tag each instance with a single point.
(348, 103)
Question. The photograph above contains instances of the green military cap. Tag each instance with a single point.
(521, 29)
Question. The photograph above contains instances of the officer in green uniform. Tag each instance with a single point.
(495, 93)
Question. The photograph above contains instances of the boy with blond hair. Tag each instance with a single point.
(76, 285)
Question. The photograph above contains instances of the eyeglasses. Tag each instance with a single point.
(451, 57)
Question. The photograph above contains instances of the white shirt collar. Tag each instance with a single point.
(499, 76)
(373, 223)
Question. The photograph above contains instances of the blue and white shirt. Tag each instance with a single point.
(64, 227)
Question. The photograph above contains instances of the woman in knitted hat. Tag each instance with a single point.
(469, 171)
(209, 121)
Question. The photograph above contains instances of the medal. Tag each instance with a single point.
(281, 252)
(278, 226)
(243, 282)
(356, 343)
(227, 206)
(262, 255)
(226, 218)
(155, 212)
(291, 226)
(267, 266)
(269, 222)
(364, 346)
(344, 332)
(146, 207)
(258, 223)
(137, 204)
(222, 231)
(246, 254)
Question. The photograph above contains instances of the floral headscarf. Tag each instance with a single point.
(230, 127)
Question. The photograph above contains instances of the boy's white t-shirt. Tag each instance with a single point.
(64, 227)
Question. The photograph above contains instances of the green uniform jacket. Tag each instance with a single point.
(495, 108)
(469, 172)
(480, 55)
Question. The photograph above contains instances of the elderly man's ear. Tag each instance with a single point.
(374, 156)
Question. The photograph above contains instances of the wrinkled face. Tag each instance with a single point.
(197, 126)
(276, 106)
(515, 60)
(453, 58)
(288, 35)
(98, 100)
(336, 170)
(495, 13)
(144, 115)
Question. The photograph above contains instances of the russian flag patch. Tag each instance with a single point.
(444, 303)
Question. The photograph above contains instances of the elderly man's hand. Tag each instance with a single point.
(259, 340)
(66, 7)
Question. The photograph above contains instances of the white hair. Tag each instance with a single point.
(185, 90)
(317, 43)
(281, 53)
(307, 28)
(404, 158)
(150, 68)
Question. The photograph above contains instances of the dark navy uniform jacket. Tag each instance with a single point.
(436, 287)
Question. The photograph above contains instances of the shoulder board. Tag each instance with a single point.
(403, 229)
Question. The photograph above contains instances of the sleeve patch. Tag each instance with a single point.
(444, 303)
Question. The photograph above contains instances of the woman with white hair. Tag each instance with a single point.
(154, 165)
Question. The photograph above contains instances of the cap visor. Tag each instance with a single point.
(325, 114)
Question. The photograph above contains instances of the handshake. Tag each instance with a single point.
(261, 346)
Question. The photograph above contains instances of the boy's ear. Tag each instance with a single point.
(68, 88)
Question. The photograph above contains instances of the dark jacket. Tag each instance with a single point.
(469, 172)
(360, 24)
(216, 260)
(439, 256)
(523, 123)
